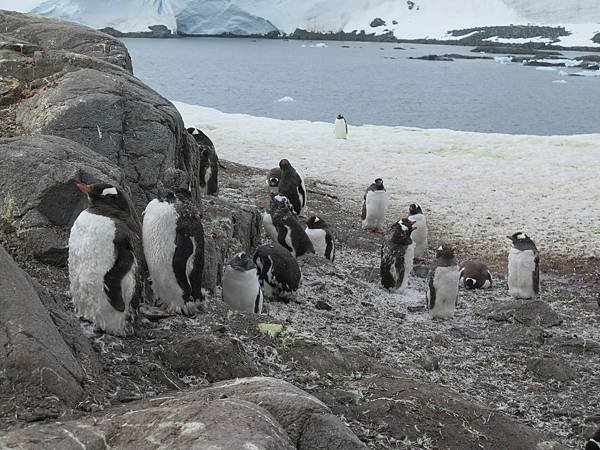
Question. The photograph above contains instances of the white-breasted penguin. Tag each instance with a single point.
(442, 291)
(397, 254)
(341, 127)
(523, 267)
(475, 275)
(241, 286)
(419, 236)
(105, 264)
(173, 239)
(273, 178)
(321, 237)
(209, 163)
(291, 184)
(290, 234)
(593, 443)
(278, 271)
(375, 203)
(276, 202)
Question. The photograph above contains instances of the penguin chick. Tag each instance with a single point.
(419, 236)
(241, 287)
(278, 271)
(443, 284)
(397, 253)
(523, 267)
(105, 260)
(291, 184)
(273, 178)
(276, 202)
(290, 233)
(375, 203)
(209, 163)
(340, 127)
(320, 236)
(173, 239)
(475, 275)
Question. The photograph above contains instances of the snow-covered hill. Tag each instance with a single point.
(410, 19)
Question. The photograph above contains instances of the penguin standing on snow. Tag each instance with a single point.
(209, 163)
(105, 261)
(320, 236)
(341, 127)
(443, 284)
(291, 184)
(397, 254)
(173, 239)
(290, 233)
(278, 271)
(419, 236)
(273, 178)
(375, 203)
(475, 275)
(241, 287)
(277, 202)
(523, 267)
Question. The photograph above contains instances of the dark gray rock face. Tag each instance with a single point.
(377, 22)
(528, 312)
(243, 414)
(31, 349)
(547, 368)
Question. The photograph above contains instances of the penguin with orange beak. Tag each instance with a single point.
(105, 264)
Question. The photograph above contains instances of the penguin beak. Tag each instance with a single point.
(83, 187)
(509, 237)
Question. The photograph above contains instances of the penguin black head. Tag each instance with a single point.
(242, 262)
(192, 131)
(315, 222)
(273, 177)
(414, 208)
(445, 251)
(379, 184)
(519, 238)
(285, 164)
(104, 195)
(470, 283)
(339, 116)
(402, 230)
(280, 202)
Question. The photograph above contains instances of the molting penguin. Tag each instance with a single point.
(278, 271)
(173, 239)
(443, 284)
(397, 254)
(209, 163)
(523, 267)
(290, 233)
(273, 178)
(241, 286)
(594, 442)
(419, 236)
(341, 127)
(291, 184)
(105, 261)
(277, 202)
(475, 275)
(375, 203)
(320, 236)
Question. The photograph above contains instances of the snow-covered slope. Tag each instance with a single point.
(409, 19)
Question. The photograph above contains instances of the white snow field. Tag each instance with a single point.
(482, 186)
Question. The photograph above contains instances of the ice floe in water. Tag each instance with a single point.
(546, 69)
(503, 59)
(319, 45)
(286, 99)
(560, 81)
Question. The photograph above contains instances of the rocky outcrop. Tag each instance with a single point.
(76, 83)
(156, 31)
(33, 355)
(246, 413)
(531, 312)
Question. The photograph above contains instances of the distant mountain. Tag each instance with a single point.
(406, 19)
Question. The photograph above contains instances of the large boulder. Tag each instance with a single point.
(71, 81)
(247, 413)
(33, 355)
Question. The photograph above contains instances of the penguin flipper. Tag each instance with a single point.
(536, 275)
(194, 273)
(431, 296)
(363, 214)
(330, 247)
(123, 261)
(184, 248)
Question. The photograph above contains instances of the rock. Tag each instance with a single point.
(430, 363)
(415, 308)
(550, 445)
(335, 436)
(211, 356)
(156, 31)
(377, 22)
(322, 305)
(576, 345)
(508, 50)
(588, 58)
(421, 270)
(526, 312)
(536, 63)
(432, 58)
(33, 355)
(547, 368)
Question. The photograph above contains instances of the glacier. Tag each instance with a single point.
(413, 19)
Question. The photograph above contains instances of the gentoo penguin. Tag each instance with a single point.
(278, 271)
(475, 275)
(105, 264)
(277, 201)
(594, 442)
(273, 178)
(241, 287)
(375, 203)
(209, 163)
(523, 267)
(419, 236)
(443, 284)
(290, 233)
(321, 237)
(341, 127)
(173, 239)
(397, 254)
(291, 184)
